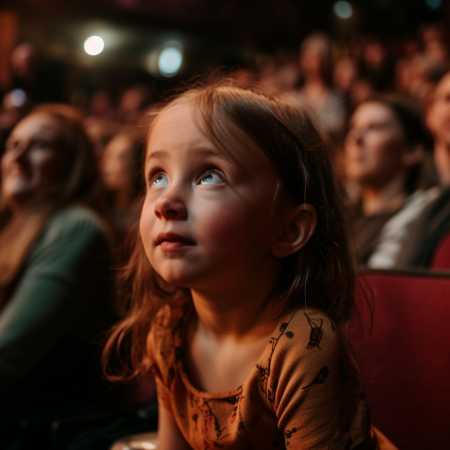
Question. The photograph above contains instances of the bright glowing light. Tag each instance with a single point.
(169, 61)
(94, 45)
(343, 9)
(18, 97)
(433, 4)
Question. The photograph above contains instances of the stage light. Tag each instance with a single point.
(433, 4)
(169, 61)
(18, 97)
(94, 45)
(343, 9)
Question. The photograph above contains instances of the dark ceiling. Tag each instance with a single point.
(264, 24)
(213, 33)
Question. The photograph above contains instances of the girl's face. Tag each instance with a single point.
(375, 145)
(34, 161)
(208, 221)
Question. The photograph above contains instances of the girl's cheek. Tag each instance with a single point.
(229, 225)
(216, 222)
(145, 225)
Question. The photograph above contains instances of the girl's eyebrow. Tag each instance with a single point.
(158, 154)
(198, 151)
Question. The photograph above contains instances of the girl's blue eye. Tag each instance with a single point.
(160, 180)
(210, 179)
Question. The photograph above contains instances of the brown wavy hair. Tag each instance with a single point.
(320, 275)
(82, 185)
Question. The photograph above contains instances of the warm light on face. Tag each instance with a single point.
(169, 61)
(94, 45)
(343, 9)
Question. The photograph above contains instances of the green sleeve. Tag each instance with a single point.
(54, 291)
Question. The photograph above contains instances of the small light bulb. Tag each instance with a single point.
(343, 9)
(94, 45)
(169, 61)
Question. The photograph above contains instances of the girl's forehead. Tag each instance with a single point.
(175, 114)
(185, 118)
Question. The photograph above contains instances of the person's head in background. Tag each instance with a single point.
(101, 105)
(315, 54)
(133, 103)
(374, 56)
(375, 65)
(384, 150)
(345, 73)
(120, 166)
(438, 122)
(24, 62)
(48, 164)
(433, 37)
(48, 160)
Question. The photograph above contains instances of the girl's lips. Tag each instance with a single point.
(173, 245)
(173, 241)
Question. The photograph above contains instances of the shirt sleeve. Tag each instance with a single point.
(48, 300)
(315, 387)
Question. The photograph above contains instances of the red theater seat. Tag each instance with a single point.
(441, 257)
(406, 361)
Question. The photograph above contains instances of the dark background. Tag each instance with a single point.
(212, 33)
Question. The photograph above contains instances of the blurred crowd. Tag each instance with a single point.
(384, 111)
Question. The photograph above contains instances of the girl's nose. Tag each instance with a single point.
(170, 207)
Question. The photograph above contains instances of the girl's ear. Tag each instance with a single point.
(297, 229)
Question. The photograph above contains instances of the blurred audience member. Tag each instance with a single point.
(316, 93)
(120, 165)
(242, 74)
(434, 224)
(101, 121)
(384, 148)
(101, 106)
(361, 90)
(344, 75)
(133, 103)
(41, 81)
(282, 77)
(55, 282)
(416, 77)
(100, 132)
(375, 66)
(434, 42)
(345, 81)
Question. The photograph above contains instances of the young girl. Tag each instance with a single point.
(240, 277)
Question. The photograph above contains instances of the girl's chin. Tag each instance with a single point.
(176, 280)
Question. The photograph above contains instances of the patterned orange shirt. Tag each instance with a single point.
(304, 393)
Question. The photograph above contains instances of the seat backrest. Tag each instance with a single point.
(405, 362)
(441, 257)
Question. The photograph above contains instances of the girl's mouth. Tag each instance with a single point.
(173, 241)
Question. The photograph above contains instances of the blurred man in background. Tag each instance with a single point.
(434, 224)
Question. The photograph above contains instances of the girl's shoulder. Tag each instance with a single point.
(309, 336)
(303, 320)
